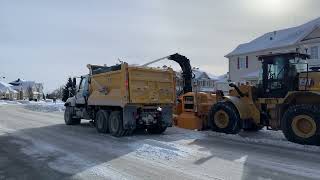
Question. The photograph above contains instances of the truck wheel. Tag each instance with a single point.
(301, 124)
(102, 119)
(157, 129)
(68, 119)
(116, 124)
(224, 117)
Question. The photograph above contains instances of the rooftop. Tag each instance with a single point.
(277, 39)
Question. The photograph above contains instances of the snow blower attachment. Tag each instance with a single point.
(192, 108)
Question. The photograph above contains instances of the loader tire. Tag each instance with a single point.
(68, 117)
(116, 124)
(224, 117)
(101, 121)
(157, 129)
(301, 124)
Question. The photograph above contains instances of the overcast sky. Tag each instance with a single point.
(47, 41)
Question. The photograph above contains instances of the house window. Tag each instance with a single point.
(243, 62)
(314, 52)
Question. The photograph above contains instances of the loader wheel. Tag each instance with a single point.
(224, 117)
(157, 129)
(116, 124)
(301, 124)
(68, 117)
(102, 119)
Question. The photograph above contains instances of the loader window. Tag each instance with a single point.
(276, 72)
(188, 102)
(279, 73)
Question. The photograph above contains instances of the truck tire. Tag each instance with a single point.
(68, 117)
(101, 120)
(224, 117)
(157, 129)
(301, 124)
(116, 124)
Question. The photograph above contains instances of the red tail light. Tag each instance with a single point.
(127, 84)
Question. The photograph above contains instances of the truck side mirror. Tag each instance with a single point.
(74, 82)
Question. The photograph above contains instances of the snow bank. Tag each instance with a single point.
(6, 102)
(2, 103)
(45, 106)
(41, 106)
(264, 137)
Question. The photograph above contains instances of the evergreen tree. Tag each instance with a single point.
(68, 90)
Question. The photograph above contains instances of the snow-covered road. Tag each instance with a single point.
(37, 145)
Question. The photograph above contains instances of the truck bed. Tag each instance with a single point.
(132, 85)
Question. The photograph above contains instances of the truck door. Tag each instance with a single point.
(83, 91)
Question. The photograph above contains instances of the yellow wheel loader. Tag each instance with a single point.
(286, 98)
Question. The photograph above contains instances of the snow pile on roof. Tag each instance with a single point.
(45, 106)
(6, 88)
(197, 73)
(222, 78)
(212, 76)
(277, 39)
(21, 84)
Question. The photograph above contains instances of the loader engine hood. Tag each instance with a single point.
(309, 81)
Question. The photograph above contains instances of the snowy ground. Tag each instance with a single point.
(41, 106)
(37, 145)
(46, 106)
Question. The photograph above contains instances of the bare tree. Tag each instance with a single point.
(30, 93)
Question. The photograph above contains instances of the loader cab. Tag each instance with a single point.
(280, 74)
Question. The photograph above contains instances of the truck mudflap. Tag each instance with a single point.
(166, 114)
(129, 115)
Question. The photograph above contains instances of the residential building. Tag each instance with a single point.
(244, 66)
(28, 90)
(6, 91)
(222, 83)
(202, 81)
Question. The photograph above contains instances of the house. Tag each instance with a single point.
(244, 66)
(6, 91)
(222, 83)
(28, 90)
(202, 81)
